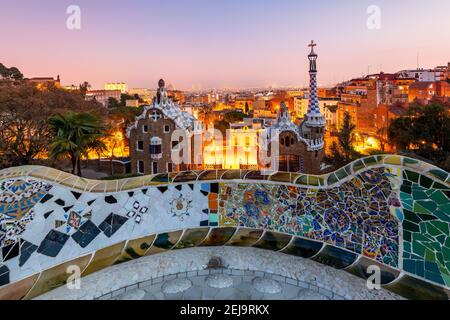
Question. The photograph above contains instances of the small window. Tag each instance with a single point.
(169, 167)
(140, 166)
(145, 128)
(287, 142)
(282, 141)
(166, 128)
(154, 167)
(292, 141)
(140, 145)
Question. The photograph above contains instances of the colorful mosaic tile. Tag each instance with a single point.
(17, 199)
(355, 215)
(426, 230)
(390, 209)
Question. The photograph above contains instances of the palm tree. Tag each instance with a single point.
(75, 134)
(85, 87)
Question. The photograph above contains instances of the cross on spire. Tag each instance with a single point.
(312, 45)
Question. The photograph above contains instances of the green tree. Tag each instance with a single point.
(10, 73)
(24, 111)
(124, 97)
(74, 135)
(113, 103)
(424, 131)
(234, 116)
(85, 87)
(342, 151)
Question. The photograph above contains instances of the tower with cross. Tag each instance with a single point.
(313, 124)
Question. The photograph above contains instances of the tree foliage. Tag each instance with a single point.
(74, 135)
(342, 151)
(425, 131)
(24, 111)
(10, 73)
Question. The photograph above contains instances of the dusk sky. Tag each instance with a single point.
(220, 43)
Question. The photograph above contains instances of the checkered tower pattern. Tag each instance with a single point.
(313, 107)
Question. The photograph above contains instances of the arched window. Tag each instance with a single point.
(292, 141)
(282, 141)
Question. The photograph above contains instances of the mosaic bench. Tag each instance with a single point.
(389, 211)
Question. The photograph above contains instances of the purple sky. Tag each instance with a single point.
(220, 43)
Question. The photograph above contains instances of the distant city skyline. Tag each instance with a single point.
(221, 44)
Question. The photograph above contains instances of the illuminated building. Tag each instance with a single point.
(150, 136)
(327, 107)
(426, 91)
(121, 86)
(132, 103)
(102, 96)
(42, 82)
(240, 150)
(146, 95)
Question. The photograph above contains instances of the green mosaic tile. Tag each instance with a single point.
(418, 208)
(332, 179)
(302, 180)
(430, 255)
(369, 161)
(358, 165)
(437, 185)
(213, 218)
(445, 208)
(407, 236)
(429, 205)
(341, 174)
(348, 169)
(442, 215)
(313, 181)
(426, 217)
(412, 176)
(441, 238)
(440, 174)
(411, 216)
(410, 161)
(419, 195)
(441, 226)
(425, 181)
(406, 189)
(439, 197)
(419, 248)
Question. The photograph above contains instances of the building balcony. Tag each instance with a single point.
(156, 156)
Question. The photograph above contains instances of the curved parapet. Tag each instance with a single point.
(388, 211)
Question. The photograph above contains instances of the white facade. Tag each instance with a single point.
(421, 74)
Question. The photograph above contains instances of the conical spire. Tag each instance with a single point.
(313, 117)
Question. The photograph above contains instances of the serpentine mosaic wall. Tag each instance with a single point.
(384, 210)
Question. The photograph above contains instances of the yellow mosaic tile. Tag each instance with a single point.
(104, 258)
(136, 248)
(55, 277)
(19, 289)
